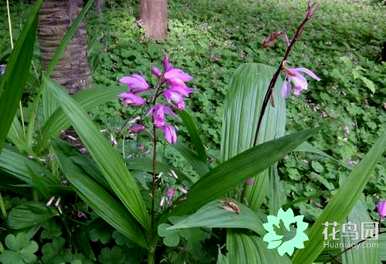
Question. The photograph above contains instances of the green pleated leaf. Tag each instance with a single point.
(194, 134)
(88, 99)
(367, 252)
(29, 215)
(245, 249)
(17, 72)
(242, 110)
(342, 202)
(106, 157)
(106, 206)
(229, 174)
(382, 246)
(213, 215)
(23, 168)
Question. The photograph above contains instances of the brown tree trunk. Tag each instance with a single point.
(55, 17)
(154, 18)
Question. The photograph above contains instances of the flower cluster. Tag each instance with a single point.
(171, 84)
(295, 80)
(381, 208)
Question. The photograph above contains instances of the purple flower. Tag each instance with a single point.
(136, 83)
(381, 208)
(295, 79)
(175, 73)
(174, 96)
(166, 63)
(250, 181)
(137, 128)
(159, 112)
(156, 71)
(170, 192)
(170, 133)
(131, 99)
(2, 69)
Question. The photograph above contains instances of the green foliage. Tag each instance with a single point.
(20, 250)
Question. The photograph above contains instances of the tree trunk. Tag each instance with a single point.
(154, 18)
(55, 18)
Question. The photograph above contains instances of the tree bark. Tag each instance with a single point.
(55, 18)
(154, 18)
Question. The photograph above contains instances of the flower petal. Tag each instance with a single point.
(285, 89)
(131, 99)
(177, 74)
(136, 83)
(308, 72)
(170, 133)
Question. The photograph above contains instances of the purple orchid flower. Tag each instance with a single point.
(170, 133)
(381, 208)
(131, 99)
(174, 96)
(295, 79)
(159, 112)
(156, 71)
(137, 128)
(136, 83)
(166, 63)
(175, 73)
(170, 192)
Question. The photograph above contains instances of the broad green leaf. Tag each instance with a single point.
(242, 110)
(367, 252)
(29, 215)
(342, 202)
(106, 206)
(106, 157)
(16, 135)
(88, 99)
(213, 215)
(194, 134)
(382, 246)
(232, 172)
(244, 248)
(21, 167)
(198, 165)
(17, 71)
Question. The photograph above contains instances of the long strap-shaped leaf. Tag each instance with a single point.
(245, 248)
(105, 205)
(242, 109)
(12, 84)
(88, 99)
(196, 141)
(229, 174)
(342, 203)
(107, 158)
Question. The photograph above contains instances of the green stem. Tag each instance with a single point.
(151, 255)
(2, 207)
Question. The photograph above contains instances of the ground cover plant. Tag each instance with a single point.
(184, 150)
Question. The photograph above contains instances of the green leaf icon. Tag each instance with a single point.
(285, 232)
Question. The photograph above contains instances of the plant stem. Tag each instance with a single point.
(154, 174)
(2, 207)
(275, 77)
